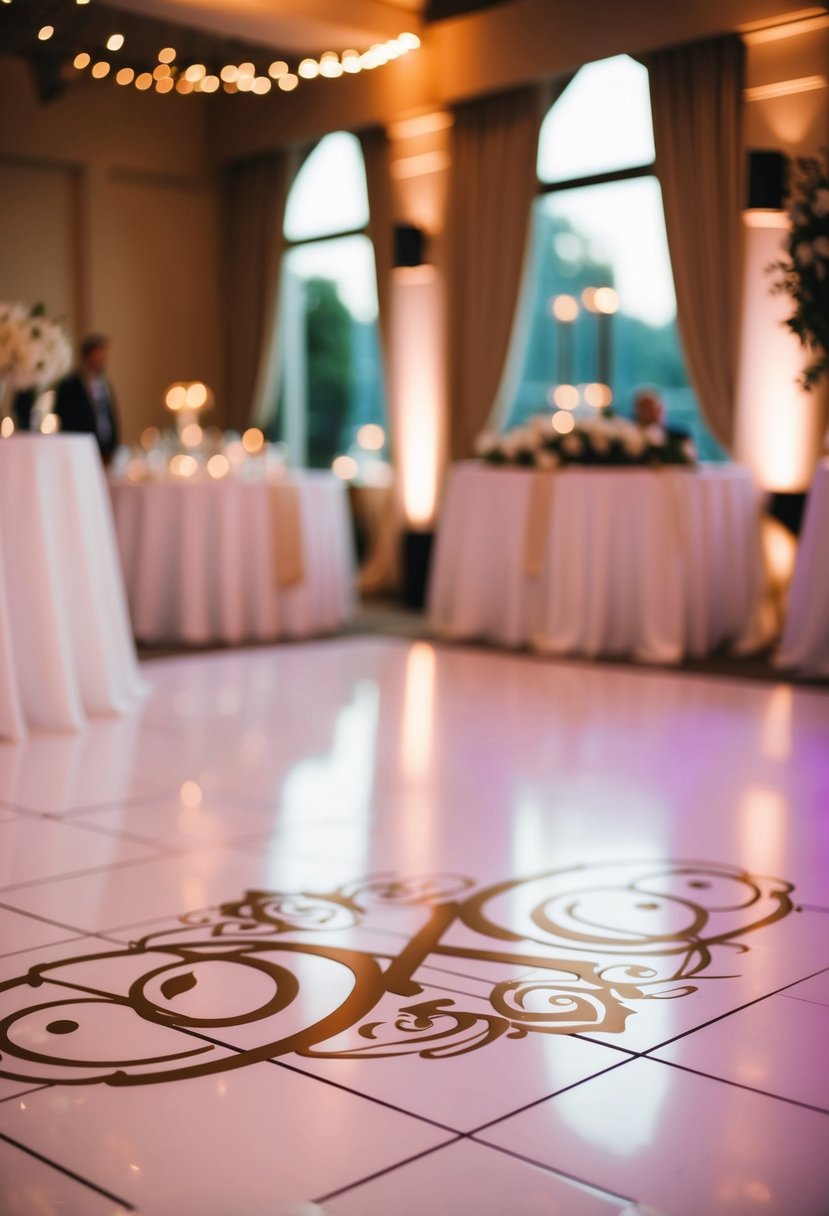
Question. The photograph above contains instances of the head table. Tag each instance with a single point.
(66, 649)
(652, 563)
(235, 559)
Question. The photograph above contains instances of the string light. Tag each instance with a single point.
(242, 77)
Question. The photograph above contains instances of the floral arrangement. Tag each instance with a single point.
(596, 439)
(804, 275)
(34, 350)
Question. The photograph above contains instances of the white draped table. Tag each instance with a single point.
(805, 644)
(657, 564)
(66, 650)
(201, 558)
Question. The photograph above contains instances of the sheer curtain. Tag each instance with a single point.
(491, 191)
(254, 193)
(696, 97)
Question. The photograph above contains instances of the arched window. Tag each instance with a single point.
(332, 385)
(598, 223)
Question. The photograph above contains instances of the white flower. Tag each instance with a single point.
(634, 441)
(547, 460)
(656, 436)
(34, 352)
(803, 253)
(820, 203)
(821, 246)
(486, 443)
(527, 438)
(509, 445)
(573, 444)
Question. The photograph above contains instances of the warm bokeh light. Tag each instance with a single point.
(192, 435)
(588, 298)
(162, 71)
(245, 84)
(410, 41)
(345, 467)
(288, 82)
(6, 428)
(218, 466)
(210, 84)
(563, 422)
(247, 69)
(565, 308)
(278, 68)
(606, 300)
(184, 466)
(566, 396)
(308, 69)
(45, 32)
(196, 395)
(175, 397)
(261, 85)
(125, 75)
(330, 68)
(100, 69)
(115, 42)
(253, 440)
(235, 452)
(598, 395)
(350, 61)
(50, 425)
(144, 81)
(229, 73)
(150, 437)
(371, 437)
(183, 85)
(190, 794)
(167, 55)
(196, 71)
(82, 60)
(165, 86)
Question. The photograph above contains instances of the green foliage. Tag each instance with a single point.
(804, 274)
(329, 368)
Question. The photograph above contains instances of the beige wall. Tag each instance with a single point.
(109, 216)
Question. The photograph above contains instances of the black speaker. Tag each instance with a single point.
(768, 179)
(409, 245)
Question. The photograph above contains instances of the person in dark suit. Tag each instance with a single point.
(85, 400)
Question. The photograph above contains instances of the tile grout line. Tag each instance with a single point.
(62, 1169)
(594, 1186)
(388, 1170)
(731, 1012)
(751, 1089)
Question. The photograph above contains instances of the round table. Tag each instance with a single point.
(66, 650)
(656, 564)
(805, 643)
(235, 560)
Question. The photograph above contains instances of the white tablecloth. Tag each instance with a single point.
(805, 644)
(66, 649)
(198, 559)
(656, 564)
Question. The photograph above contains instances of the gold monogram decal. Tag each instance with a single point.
(568, 951)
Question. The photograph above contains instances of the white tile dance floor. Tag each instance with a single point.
(370, 928)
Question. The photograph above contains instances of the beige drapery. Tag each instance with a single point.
(254, 193)
(380, 568)
(696, 96)
(491, 190)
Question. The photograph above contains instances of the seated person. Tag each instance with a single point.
(85, 400)
(649, 410)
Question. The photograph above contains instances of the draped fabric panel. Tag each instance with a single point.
(491, 191)
(696, 96)
(254, 193)
(375, 146)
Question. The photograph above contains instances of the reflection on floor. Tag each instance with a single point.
(369, 926)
